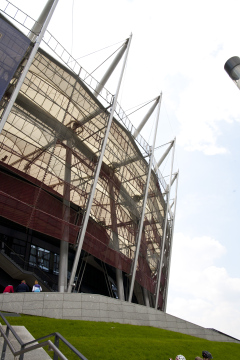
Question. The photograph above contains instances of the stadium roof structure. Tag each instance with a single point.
(49, 149)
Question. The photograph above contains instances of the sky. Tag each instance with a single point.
(178, 48)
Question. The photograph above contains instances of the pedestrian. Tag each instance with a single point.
(22, 287)
(205, 356)
(36, 287)
(8, 289)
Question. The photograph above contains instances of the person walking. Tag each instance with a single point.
(22, 287)
(36, 287)
(8, 289)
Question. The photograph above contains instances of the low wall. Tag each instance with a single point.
(101, 308)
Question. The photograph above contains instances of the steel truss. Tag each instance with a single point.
(57, 123)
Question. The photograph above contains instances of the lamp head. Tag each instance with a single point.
(232, 67)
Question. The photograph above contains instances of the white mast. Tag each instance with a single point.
(82, 231)
(165, 229)
(110, 69)
(145, 119)
(171, 242)
(51, 5)
(139, 235)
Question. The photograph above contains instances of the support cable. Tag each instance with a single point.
(80, 282)
(94, 52)
(150, 133)
(164, 167)
(162, 145)
(139, 108)
(104, 61)
(168, 118)
(121, 92)
(72, 25)
(107, 279)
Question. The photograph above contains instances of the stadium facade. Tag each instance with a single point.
(83, 205)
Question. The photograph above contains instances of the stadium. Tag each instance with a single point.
(83, 205)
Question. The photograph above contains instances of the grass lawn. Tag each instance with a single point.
(112, 341)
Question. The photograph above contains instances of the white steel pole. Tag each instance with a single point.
(145, 119)
(174, 178)
(165, 229)
(110, 70)
(63, 255)
(40, 21)
(139, 235)
(164, 155)
(26, 68)
(171, 242)
(94, 185)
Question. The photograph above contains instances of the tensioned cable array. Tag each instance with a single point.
(94, 52)
(105, 60)
(72, 25)
(141, 106)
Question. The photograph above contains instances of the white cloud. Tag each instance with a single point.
(201, 292)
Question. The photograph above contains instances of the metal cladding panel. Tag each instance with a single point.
(18, 199)
(13, 46)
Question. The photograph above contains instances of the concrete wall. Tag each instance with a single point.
(101, 308)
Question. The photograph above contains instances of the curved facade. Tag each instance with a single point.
(49, 149)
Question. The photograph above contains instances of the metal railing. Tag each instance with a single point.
(159, 175)
(26, 22)
(30, 346)
(92, 83)
(66, 58)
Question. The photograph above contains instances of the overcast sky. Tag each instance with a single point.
(179, 48)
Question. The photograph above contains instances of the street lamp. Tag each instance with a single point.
(232, 67)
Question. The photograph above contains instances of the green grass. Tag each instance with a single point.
(112, 341)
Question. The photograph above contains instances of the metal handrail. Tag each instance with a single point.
(24, 348)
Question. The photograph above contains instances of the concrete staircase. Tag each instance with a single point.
(24, 334)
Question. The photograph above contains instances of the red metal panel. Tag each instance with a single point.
(31, 206)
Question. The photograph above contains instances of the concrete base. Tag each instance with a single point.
(93, 307)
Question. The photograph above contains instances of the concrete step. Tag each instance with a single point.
(25, 336)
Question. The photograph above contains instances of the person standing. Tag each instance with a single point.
(22, 287)
(8, 289)
(36, 287)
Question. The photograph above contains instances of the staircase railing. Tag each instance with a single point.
(33, 345)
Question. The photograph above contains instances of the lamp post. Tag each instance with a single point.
(232, 67)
